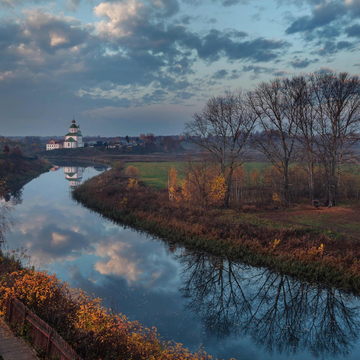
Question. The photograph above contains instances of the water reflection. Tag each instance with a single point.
(74, 175)
(231, 309)
(281, 315)
(14, 197)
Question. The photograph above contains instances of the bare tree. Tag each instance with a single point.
(222, 129)
(276, 104)
(306, 133)
(336, 102)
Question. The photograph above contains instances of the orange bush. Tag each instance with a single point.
(93, 331)
(132, 172)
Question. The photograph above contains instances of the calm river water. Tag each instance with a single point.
(232, 310)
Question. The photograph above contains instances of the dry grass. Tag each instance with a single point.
(227, 232)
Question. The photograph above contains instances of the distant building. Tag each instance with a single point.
(54, 144)
(73, 139)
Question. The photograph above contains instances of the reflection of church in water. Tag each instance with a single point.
(74, 175)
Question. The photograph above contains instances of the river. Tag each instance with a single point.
(230, 309)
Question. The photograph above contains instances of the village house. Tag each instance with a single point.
(54, 144)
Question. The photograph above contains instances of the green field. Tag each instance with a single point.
(155, 174)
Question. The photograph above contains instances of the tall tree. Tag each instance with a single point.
(335, 99)
(221, 130)
(276, 106)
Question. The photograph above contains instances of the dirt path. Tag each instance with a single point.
(11, 347)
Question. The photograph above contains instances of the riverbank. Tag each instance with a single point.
(93, 331)
(16, 172)
(305, 252)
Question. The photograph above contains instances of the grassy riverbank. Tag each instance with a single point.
(93, 331)
(309, 253)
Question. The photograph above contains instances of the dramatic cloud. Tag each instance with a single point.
(133, 54)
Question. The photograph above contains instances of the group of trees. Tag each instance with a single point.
(29, 145)
(309, 121)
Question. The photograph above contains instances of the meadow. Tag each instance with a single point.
(155, 174)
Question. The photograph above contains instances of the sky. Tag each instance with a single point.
(138, 66)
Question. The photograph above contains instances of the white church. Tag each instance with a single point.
(73, 139)
(73, 174)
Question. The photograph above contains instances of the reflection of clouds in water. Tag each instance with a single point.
(116, 264)
(140, 262)
(58, 238)
(52, 243)
(163, 309)
(137, 275)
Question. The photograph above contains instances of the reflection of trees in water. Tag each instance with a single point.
(8, 199)
(100, 168)
(281, 314)
(15, 196)
(6, 221)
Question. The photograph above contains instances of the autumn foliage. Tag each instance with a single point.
(93, 331)
(203, 185)
(226, 231)
(132, 172)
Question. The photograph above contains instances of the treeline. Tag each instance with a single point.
(17, 169)
(29, 145)
(307, 127)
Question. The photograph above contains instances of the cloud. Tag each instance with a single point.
(323, 13)
(324, 70)
(72, 5)
(52, 32)
(332, 47)
(281, 73)
(302, 63)
(218, 44)
(225, 3)
(128, 24)
(220, 74)
(353, 31)
(15, 3)
(136, 54)
(116, 264)
(257, 69)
